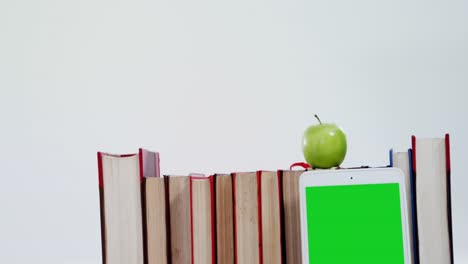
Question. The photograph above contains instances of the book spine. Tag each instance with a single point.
(168, 220)
(143, 206)
(449, 194)
(413, 147)
(141, 164)
(390, 157)
(191, 221)
(260, 226)
(213, 220)
(413, 208)
(144, 222)
(100, 170)
(233, 219)
(414, 190)
(234, 215)
(281, 210)
(101, 207)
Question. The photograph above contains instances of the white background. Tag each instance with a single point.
(215, 86)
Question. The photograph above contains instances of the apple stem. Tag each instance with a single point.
(316, 116)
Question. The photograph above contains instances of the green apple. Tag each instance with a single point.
(324, 145)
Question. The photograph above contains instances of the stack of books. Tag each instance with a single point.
(247, 217)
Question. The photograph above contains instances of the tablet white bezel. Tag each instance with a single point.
(352, 177)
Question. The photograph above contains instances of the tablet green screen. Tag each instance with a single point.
(355, 224)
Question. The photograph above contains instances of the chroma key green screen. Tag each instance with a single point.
(359, 224)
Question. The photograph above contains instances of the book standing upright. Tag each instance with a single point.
(178, 192)
(403, 161)
(121, 210)
(291, 215)
(202, 217)
(154, 209)
(224, 220)
(431, 164)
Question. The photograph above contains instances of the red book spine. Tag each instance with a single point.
(281, 216)
(168, 220)
(140, 163)
(447, 153)
(100, 171)
(214, 220)
(234, 214)
(101, 205)
(213, 223)
(191, 221)
(259, 201)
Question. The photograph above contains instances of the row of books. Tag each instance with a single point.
(247, 217)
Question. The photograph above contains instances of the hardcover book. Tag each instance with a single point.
(178, 192)
(403, 161)
(202, 220)
(431, 164)
(247, 243)
(270, 212)
(155, 211)
(121, 209)
(291, 215)
(224, 220)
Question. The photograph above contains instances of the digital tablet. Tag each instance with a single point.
(354, 216)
